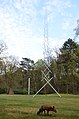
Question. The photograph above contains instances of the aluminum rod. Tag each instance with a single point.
(50, 84)
(42, 87)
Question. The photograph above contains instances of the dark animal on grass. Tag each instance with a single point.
(45, 108)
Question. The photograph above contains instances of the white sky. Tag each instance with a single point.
(22, 25)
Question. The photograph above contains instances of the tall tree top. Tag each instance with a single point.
(69, 45)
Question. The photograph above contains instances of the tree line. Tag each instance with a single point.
(64, 67)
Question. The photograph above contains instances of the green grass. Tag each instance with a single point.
(26, 107)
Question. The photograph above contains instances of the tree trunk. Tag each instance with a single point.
(11, 92)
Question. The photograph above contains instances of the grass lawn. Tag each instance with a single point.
(26, 107)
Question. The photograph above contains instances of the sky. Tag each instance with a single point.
(22, 24)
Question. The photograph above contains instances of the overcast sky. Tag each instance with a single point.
(22, 25)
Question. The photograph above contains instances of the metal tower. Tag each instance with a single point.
(46, 43)
(47, 57)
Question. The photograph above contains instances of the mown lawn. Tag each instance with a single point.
(26, 107)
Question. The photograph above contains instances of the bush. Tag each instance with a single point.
(2, 91)
(20, 91)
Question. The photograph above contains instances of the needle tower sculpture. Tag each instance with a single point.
(47, 57)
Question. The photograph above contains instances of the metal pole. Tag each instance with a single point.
(28, 86)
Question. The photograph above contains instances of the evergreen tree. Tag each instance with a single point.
(68, 61)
